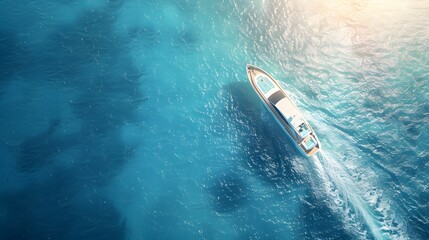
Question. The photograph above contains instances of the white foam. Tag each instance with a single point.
(359, 206)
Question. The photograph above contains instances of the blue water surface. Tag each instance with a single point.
(135, 120)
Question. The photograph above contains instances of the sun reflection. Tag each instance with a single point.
(364, 12)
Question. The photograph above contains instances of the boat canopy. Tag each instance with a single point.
(292, 116)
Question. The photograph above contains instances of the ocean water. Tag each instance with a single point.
(135, 119)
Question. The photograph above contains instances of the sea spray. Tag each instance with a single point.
(346, 198)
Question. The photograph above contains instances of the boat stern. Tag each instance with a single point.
(310, 145)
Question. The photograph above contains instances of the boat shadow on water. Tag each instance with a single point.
(228, 193)
(266, 150)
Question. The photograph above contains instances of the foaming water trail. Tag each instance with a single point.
(347, 197)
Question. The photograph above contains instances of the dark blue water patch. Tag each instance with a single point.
(12, 55)
(87, 57)
(100, 70)
(414, 129)
(103, 156)
(254, 225)
(58, 209)
(87, 43)
(104, 107)
(163, 220)
(150, 35)
(186, 39)
(40, 150)
(77, 54)
(109, 87)
(94, 60)
(112, 96)
(189, 37)
(21, 15)
(71, 47)
(90, 37)
(35, 151)
(319, 222)
(67, 203)
(228, 193)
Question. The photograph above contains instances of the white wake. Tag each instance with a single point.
(346, 198)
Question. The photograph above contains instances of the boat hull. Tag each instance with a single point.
(284, 111)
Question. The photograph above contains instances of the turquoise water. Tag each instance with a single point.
(135, 120)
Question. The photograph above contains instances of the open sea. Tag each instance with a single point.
(135, 119)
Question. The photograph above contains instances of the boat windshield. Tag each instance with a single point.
(303, 130)
(299, 125)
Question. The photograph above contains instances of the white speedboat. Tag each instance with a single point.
(284, 110)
